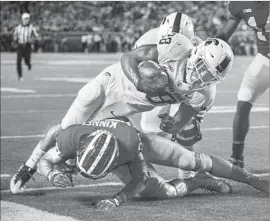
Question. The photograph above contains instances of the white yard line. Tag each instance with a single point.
(5, 175)
(205, 129)
(76, 186)
(104, 184)
(37, 96)
(17, 90)
(69, 79)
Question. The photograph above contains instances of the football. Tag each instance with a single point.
(152, 72)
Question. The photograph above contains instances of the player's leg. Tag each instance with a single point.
(164, 152)
(19, 61)
(254, 83)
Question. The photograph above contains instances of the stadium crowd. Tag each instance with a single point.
(111, 26)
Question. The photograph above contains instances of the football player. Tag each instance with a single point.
(120, 90)
(256, 77)
(151, 120)
(102, 146)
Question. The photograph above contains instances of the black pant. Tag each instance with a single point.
(23, 51)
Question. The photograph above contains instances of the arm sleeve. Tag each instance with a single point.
(66, 146)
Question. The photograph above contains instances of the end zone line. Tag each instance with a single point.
(104, 184)
(205, 129)
(111, 184)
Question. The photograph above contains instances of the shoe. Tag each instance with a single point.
(237, 162)
(21, 79)
(19, 180)
(211, 184)
(29, 67)
(259, 183)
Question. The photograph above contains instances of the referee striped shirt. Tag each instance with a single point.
(24, 34)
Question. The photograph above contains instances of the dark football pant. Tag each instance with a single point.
(23, 51)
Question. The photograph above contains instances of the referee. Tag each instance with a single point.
(23, 37)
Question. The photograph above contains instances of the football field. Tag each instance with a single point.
(29, 108)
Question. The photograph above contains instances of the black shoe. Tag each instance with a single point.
(29, 67)
(19, 180)
(237, 162)
(259, 183)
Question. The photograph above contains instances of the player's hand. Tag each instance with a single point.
(106, 204)
(200, 115)
(60, 179)
(167, 123)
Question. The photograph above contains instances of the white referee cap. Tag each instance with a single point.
(25, 16)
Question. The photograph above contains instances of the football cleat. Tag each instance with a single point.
(214, 185)
(259, 183)
(19, 179)
(237, 162)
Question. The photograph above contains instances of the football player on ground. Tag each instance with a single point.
(256, 77)
(150, 121)
(121, 90)
(102, 146)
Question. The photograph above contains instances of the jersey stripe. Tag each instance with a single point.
(176, 24)
(224, 64)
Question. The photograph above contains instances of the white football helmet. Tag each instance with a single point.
(177, 23)
(208, 63)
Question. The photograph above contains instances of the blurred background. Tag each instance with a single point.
(112, 26)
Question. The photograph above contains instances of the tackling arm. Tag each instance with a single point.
(131, 60)
(139, 174)
(46, 168)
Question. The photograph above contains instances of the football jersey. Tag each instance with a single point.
(127, 136)
(256, 16)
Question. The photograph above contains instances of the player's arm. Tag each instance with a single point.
(175, 124)
(131, 60)
(139, 174)
(231, 24)
(46, 167)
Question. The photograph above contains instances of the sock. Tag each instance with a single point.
(240, 128)
(237, 150)
(35, 157)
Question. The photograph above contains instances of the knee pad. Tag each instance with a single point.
(247, 94)
(203, 163)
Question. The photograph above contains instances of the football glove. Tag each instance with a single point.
(106, 204)
(167, 123)
(60, 179)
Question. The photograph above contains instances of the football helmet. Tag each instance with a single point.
(177, 22)
(97, 154)
(208, 63)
